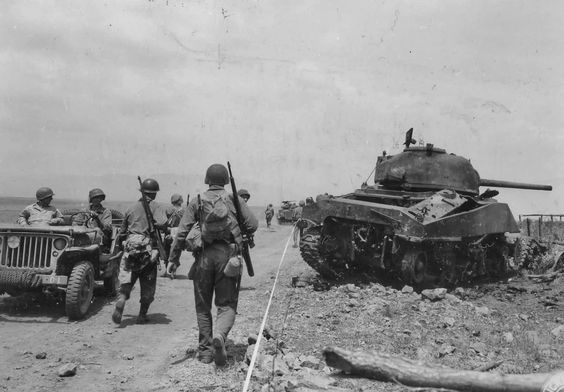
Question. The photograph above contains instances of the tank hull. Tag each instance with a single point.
(424, 239)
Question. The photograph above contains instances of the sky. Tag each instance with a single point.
(300, 96)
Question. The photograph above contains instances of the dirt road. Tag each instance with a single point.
(110, 358)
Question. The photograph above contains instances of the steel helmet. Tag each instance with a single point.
(302, 203)
(95, 193)
(43, 193)
(244, 193)
(150, 186)
(176, 198)
(217, 175)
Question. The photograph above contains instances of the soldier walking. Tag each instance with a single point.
(269, 214)
(222, 239)
(140, 257)
(296, 217)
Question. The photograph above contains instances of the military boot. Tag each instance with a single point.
(142, 317)
(220, 353)
(118, 311)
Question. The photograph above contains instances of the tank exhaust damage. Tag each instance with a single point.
(423, 222)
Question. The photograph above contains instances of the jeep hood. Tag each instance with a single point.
(12, 228)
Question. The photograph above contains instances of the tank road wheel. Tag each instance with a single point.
(80, 289)
(414, 267)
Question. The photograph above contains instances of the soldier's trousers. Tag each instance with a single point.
(147, 277)
(209, 280)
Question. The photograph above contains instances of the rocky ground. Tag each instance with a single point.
(518, 324)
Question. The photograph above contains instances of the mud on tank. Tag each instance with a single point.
(424, 223)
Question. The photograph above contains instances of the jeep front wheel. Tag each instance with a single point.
(79, 290)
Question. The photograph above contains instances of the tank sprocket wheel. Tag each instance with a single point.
(309, 249)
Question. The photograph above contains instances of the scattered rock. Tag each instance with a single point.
(482, 310)
(459, 291)
(558, 331)
(448, 321)
(311, 381)
(269, 333)
(249, 354)
(508, 337)
(407, 289)
(479, 347)
(41, 355)
(435, 294)
(353, 303)
(446, 349)
(292, 361)
(67, 370)
(524, 317)
(452, 298)
(310, 361)
(252, 339)
(532, 336)
(276, 364)
(425, 353)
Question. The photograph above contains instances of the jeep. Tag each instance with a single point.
(62, 261)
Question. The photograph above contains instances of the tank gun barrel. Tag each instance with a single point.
(517, 185)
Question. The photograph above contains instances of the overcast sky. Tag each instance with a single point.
(300, 96)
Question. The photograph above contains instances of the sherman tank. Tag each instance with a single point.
(424, 222)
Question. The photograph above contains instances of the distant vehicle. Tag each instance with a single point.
(286, 212)
(62, 261)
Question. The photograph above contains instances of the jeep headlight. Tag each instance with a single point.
(60, 243)
(13, 241)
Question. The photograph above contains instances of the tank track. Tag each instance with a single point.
(309, 242)
(309, 249)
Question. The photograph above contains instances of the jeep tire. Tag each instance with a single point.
(80, 290)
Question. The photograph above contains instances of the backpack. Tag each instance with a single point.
(216, 217)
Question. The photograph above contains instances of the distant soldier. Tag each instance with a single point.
(222, 239)
(244, 194)
(140, 257)
(269, 214)
(101, 216)
(296, 217)
(42, 212)
(177, 210)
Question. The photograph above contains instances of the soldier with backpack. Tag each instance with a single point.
(213, 214)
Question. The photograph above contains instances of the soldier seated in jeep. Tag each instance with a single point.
(98, 218)
(42, 212)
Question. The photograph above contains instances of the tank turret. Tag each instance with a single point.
(423, 169)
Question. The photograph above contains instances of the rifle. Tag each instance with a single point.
(248, 241)
(154, 233)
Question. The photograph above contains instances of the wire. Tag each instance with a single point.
(257, 344)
